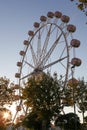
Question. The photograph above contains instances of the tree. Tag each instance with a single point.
(81, 5)
(82, 97)
(76, 95)
(6, 91)
(68, 121)
(46, 97)
(5, 118)
(42, 93)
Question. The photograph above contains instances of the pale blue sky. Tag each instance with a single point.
(17, 18)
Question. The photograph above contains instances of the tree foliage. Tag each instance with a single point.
(81, 100)
(68, 121)
(6, 100)
(81, 5)
(5, 118)
(42, 94)
(46, 96)
(6, 91)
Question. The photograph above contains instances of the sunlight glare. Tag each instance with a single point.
(6, 115)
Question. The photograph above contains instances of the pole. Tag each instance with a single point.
(73, 89)
(74, 97)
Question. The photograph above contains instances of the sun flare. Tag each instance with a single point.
(6, 115)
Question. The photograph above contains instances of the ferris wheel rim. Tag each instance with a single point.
(35, 35)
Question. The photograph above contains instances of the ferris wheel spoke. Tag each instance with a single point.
(33, 55)
(59, 60)
(44, 60)
(63, 52)
(63, 65)
(44, 49)
(29, 64)
(39, 46)
(25, 76)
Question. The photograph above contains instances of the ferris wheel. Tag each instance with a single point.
(50, 47)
